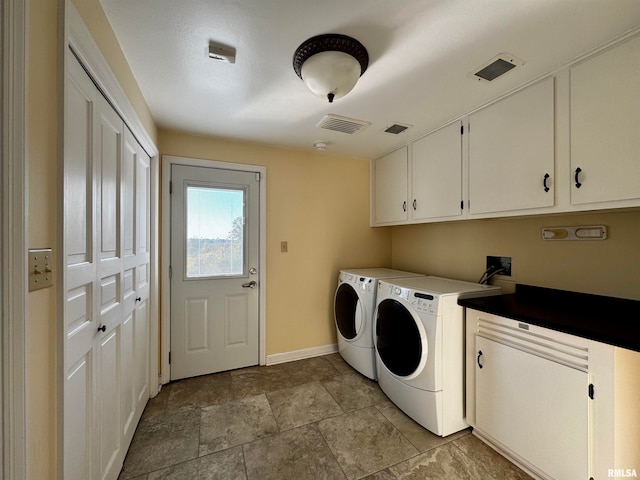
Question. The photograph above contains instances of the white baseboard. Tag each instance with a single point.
(301, 354)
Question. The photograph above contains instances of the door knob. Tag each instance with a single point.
(251, 284)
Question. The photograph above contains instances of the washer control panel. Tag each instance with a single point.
(364, 284)
(424, 302)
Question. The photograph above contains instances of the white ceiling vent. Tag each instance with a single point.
(497, 66)
(342, 124)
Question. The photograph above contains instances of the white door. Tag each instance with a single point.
(391, 187)
(436, 180)
(536, 407)
(214, 270)
(512, 152)
(105, 283)
(605, 120)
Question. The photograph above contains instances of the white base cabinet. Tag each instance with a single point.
(534, 405)
(559, 406)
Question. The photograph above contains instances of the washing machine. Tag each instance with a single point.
(353, 307)
(419, 348)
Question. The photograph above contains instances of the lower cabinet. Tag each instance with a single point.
(533, 405)
(560, 406)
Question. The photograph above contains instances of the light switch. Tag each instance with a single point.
(40, 268)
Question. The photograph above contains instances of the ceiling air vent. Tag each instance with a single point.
(342, 124)
(497, 66)
(396, 128)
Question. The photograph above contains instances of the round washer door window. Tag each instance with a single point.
(398, 340)
(347, 311)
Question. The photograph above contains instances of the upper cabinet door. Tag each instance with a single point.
(390, 173)
(511, 152)
(605, 126)
(436, 182)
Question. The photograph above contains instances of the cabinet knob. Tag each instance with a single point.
(138, 299)
(102, 328)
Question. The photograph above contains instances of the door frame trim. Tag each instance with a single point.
(14, 204)
(165, 316)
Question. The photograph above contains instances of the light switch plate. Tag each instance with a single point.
(40, 268)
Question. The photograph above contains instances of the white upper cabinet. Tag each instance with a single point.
(390, 188)
(511, 152)
(605, 126)
(436, 180)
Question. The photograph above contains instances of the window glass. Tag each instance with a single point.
(215, 232)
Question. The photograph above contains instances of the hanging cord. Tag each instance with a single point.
(488, 273)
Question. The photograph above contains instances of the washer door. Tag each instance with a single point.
(400, 343)
(348, 312)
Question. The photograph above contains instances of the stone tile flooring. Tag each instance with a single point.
(310, 419)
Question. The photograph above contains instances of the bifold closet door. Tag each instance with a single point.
(105, 282)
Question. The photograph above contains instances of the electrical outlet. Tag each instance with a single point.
(500, 263)
(284, 247)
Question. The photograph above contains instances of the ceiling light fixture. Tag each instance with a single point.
(320, 146)
(330, 64)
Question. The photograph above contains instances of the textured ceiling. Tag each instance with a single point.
(422, 56)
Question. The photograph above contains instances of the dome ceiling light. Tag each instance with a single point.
(330, 64)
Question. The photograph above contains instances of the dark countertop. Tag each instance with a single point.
(615, 321)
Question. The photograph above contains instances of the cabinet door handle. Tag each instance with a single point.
(102, 328)
(577, 177)
(404, 206)
(415, 204)
(544, 182)
(478, 359)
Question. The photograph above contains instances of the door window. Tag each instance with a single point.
(215, 243)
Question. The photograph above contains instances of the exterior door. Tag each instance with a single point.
(214, 270)
(105, 287)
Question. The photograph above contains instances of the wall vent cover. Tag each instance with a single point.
(498, 66)
(342, 124)
(396, 128)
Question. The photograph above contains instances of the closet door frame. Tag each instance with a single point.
(13, 274)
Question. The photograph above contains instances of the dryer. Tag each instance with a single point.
(419, 348)
(353, 307)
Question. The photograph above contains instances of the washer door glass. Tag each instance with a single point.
(398, 339)
(348, 311)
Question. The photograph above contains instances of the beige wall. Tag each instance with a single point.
(43, 106)
(459, 250)
(319, 204)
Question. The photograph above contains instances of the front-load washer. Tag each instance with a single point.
(354, 303)
(419, 347)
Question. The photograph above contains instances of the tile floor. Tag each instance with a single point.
(311, 419)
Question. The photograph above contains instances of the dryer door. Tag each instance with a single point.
(401, 344)
(348, 311)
